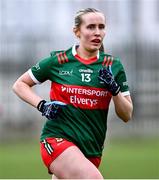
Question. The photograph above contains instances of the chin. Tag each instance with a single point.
(94, 49)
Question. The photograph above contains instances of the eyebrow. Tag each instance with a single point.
(95, 24)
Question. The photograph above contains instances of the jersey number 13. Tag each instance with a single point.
(86, 77)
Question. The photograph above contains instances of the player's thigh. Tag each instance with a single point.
(73, 164)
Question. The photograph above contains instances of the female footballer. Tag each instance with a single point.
(83, 79)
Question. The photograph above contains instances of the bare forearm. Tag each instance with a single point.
(26, 93)
(123, 107)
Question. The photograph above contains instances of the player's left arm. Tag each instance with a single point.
(115, 81)
(122, 101)
(123, 106)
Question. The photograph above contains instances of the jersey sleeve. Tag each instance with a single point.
(40, 72)
(121, 78)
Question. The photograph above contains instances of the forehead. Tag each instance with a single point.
(93, 18)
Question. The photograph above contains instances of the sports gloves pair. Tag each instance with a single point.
(52, 109)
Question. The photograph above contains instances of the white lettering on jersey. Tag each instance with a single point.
(83, 91)
(84, 101)
(86, 77)
(85, 71)
(86, 74)
(66, 73)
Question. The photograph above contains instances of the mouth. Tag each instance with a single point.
(97, 41)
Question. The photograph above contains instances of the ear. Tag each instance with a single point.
(76, 32)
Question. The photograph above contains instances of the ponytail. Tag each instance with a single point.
(101, 49)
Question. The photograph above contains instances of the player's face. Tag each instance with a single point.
(92, 31)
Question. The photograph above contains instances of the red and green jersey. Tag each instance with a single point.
(74, 81)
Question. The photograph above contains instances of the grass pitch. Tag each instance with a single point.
(130, 159)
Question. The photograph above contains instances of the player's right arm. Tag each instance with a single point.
(23, 88)
(36, 75)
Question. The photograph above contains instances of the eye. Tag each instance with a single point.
(91, 26)
(101, 26)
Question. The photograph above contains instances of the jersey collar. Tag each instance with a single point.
(82, 60)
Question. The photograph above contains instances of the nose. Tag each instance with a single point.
(97, 31)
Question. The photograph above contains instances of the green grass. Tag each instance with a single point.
(21, 160)
(121, 159)
(131, 159)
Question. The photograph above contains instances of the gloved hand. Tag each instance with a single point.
(106, 78)
(50, 109)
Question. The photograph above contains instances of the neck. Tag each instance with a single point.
(86, 54)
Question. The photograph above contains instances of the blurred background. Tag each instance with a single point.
(29, 30)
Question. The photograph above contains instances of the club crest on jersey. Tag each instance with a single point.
(37, 66)
(65, 72)
(59, 140)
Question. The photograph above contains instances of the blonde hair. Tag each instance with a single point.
(80, 13)
(78, 19)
